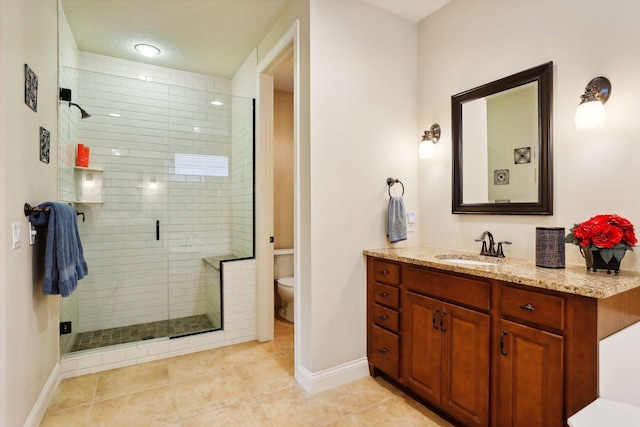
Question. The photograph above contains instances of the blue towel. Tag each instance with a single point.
(396, 220)
(64, 258)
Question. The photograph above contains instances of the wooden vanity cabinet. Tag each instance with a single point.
(383, 302)
(483, 351)
(446, 363)
(530, 388)
(444, 345)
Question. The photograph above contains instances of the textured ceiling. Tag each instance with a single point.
(212, 37)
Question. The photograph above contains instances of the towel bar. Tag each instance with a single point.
(28, 210)
(391, 181)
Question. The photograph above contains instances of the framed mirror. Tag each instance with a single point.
(502, 157)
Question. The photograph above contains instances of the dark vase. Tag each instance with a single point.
(595, 262)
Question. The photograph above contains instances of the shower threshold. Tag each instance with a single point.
(171, 328)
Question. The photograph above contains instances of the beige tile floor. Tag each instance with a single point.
(249, 384)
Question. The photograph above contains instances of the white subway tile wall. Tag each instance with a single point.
(242, 171)
(138, 123)
(240, 326)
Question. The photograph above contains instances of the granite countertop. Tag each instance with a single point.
(573, 279)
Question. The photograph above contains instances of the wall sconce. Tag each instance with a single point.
(429, 138)
(591, 112)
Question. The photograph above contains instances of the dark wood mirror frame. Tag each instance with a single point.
(543, 74)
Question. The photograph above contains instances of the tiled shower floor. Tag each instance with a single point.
(143, 331)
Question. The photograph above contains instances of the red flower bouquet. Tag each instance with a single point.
(610, 235)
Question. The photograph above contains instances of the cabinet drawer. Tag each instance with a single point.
(385, 317)
(532, 307)
(384, 351)
(386, 295)
(386, 272)
(459, 289)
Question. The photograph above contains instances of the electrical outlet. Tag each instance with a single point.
(65, 328)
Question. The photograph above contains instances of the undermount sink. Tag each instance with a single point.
(468, 259)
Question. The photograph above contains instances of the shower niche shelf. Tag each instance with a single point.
(88, 185)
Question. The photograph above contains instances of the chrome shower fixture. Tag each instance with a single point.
(65, 95)
(83, 113)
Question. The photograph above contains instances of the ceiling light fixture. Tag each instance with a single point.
(591, 113)
(216, 103)
(425, 150)
(147, 50)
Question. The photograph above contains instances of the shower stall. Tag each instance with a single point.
(167, 193)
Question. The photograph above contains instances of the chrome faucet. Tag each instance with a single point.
(489, 250)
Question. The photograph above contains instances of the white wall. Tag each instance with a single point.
(28, 320)
(363, 129)
(481, 41)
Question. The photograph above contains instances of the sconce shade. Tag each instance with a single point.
(426, 150)
(591, 113)
(430, 137)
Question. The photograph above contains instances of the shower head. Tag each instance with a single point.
(83, 113)
(65, 95)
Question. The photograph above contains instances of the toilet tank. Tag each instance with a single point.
(282, 263)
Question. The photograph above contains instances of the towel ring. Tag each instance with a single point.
(391, 181)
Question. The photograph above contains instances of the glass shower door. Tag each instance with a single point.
(176, 189)
(124, 298)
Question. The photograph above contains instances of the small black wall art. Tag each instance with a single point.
(45, 145)
(30, 88)
(501, 177)
(522, 155)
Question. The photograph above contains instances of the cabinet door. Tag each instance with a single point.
(465, 364)
(420, 343)
(530, 392)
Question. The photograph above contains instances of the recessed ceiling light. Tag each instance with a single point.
(114, 114)
(216, 103)
(147, 50)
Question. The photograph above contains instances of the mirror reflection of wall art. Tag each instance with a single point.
(522, 155)
(45, 145)
(30, 88)
(501, 176)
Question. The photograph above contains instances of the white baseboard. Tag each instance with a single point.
(40, 407)
(318, 382)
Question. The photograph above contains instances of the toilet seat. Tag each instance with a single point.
(286, 281)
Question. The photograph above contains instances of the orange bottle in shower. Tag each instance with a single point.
(82, 156)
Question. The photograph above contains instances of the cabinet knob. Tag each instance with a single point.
(382, 350)
(528, 307)
(383, 294)
(383, 317)
(384, 272)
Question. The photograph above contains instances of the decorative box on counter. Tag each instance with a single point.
(550, 247)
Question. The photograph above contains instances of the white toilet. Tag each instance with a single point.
(283, 272)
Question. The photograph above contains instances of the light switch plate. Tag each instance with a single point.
(411, 220)
(16, 233)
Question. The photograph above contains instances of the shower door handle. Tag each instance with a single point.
(157, 229)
